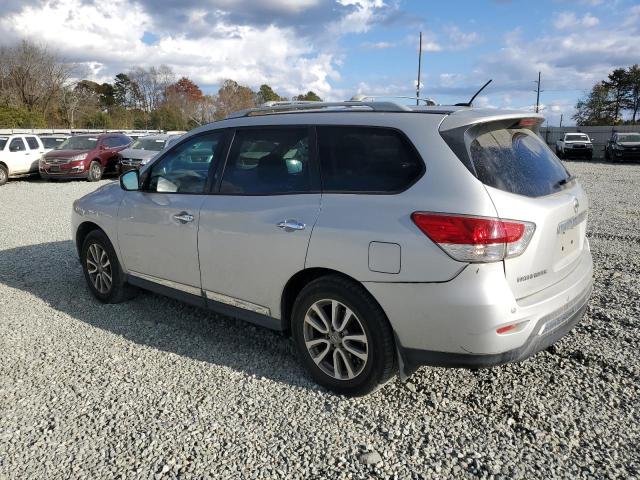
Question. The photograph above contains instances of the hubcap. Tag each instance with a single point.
(335, 339)
(99, 268)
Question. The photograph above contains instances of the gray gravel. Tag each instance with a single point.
(156, 389)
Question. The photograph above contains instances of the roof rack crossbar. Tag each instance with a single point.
(309, 107)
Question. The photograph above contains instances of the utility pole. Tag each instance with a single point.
(538, 94)
(561, 119)
(419, 71)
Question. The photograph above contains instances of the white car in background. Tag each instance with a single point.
(19, 156)
(52, 141)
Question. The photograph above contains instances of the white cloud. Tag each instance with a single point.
(106, 37)
(568, 20)
(378, 45)
(459, 39)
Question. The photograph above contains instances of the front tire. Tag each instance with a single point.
(102, 270)
(95, 171)
(4, 175)
(343, 337)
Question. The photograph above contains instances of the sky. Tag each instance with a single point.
(339, 48)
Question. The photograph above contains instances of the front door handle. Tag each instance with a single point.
(183, 217)
(291, 225)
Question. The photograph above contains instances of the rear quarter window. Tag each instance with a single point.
(517, 161)
(366, 159)
(33, 143)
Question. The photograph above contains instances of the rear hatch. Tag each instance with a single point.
(527, 182)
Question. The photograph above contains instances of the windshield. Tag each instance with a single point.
(78, 143)
(52, 142)
(148, 144)
(3, 142)
(577, 138)
(632, 137)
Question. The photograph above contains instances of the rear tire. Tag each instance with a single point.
(343, 337)
(4, 175)
(95, 171)
(102, 270)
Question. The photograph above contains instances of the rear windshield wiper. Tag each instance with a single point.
(564, 181)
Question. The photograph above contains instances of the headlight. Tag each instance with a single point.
(618, 147)
(77, 158)
(144, 161)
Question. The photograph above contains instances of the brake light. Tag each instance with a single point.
(529, 122)
(475, 239)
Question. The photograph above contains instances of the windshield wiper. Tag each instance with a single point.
(564, 181)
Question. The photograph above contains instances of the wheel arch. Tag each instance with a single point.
(302, 278)
(4, 164)
(84, 229)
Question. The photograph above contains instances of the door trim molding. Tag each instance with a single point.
(168, 283)
(236, 302)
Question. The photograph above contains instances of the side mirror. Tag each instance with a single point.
(130, 181)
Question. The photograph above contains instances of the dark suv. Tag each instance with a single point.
(84, 156)
(623, 147)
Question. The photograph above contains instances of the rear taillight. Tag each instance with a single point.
(475, 239)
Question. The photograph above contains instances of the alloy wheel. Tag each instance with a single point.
(99, 268)
(335, 339)
(95, 170)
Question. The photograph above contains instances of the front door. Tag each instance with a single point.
(19, 157)
(158, 226)
(254, 232)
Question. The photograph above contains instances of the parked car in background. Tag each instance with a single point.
(623, 147)
(380, 236)
(52, 141)
(144, 149)
(575, 145)
(84, 156)
(19, 156)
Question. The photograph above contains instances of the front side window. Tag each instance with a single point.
(185, 168)
(17, 145)
(268, 161)
(366, 159)
(33, 143)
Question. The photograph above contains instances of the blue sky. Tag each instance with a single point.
(342, 47)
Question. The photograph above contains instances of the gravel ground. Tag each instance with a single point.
(156, 389)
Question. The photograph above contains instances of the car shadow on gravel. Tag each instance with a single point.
(52, 273)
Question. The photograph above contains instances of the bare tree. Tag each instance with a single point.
(232, 97)
(76, 100)
(32, 76)
(150, 85)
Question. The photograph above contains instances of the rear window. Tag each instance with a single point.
(517, 161)
(366, 159)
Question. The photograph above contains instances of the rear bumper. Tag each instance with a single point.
(455, 323)
(538, 340)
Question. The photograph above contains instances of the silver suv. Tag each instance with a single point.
(382, 237)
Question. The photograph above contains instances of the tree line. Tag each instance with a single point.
(39, 90)
(614, 101)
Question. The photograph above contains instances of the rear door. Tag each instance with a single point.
(526, 181)
(254, 232)
(37, 150)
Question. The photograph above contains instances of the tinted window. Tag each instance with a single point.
(185, 169)
(154, 144)
(516, 161)
(3, 142)
(33, 143)
(78, 143)
(361, 159)
(51, 142)
(113, 142)
(274, 160)
(17, 145)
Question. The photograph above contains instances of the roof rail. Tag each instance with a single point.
(310, 107)
(361, 98)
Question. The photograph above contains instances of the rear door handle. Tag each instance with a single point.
(291, 225)
(183, 217)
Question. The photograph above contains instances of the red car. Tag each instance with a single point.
(84, 156)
